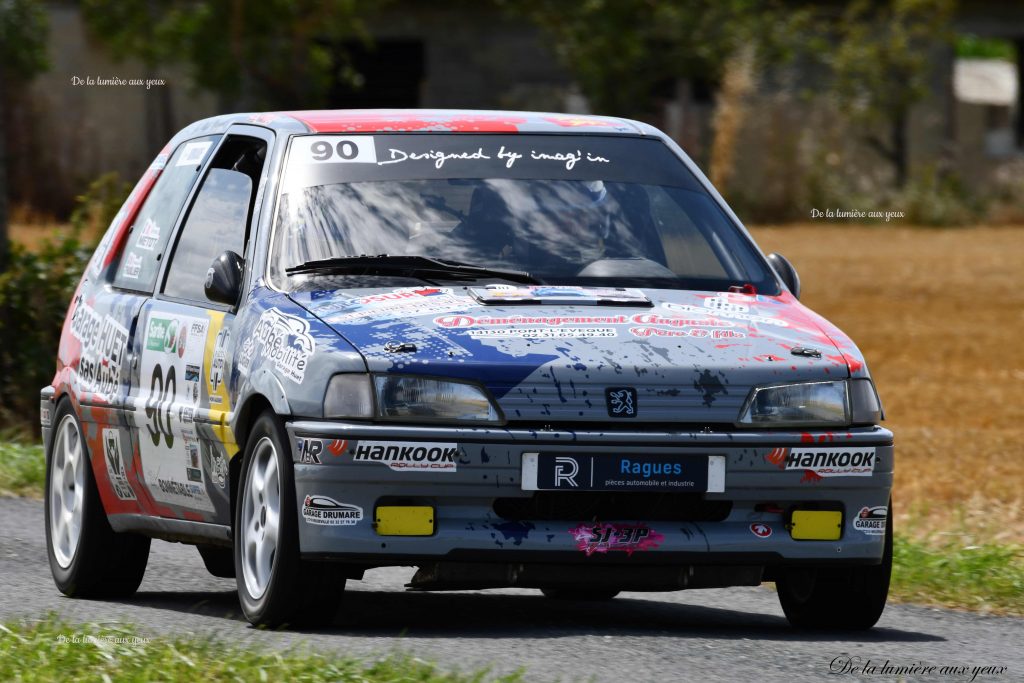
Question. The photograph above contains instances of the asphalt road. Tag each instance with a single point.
(733, 634)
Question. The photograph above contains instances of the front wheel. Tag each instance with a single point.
(87, 558)
(275, 586)
(845, 598)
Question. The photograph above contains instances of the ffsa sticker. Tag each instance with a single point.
(333, 149)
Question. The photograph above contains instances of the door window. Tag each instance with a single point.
(219, 218)
(147, 239)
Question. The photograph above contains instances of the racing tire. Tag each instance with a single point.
(88, 559)
(850, 598)
(275, 586)
(582, 594)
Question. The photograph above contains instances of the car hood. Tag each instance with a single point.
(552, 353)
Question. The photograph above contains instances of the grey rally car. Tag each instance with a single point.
(509, 349)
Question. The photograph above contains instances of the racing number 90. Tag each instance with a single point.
(346, 149)
(158, 406)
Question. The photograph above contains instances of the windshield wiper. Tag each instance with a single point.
(386, 264)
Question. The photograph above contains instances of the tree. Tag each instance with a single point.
(268, 54)
(881, 63)
(626, 54)
(23, 29)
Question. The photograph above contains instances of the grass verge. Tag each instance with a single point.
(47, 650)
(987, 577)
(22, 469)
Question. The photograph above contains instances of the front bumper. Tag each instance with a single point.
(482, 514)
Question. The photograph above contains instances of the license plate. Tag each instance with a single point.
(656, 473)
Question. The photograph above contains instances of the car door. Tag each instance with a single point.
(105, 316)
(181, 401)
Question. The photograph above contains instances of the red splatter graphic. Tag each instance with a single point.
(806, 437)
(337, 447)
(597, 537)
(810, 477)
(777, 456)
(384, 121)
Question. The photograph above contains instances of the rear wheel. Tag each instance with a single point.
(838, 598)
(87, 558)
(275, 586)
(588, 595)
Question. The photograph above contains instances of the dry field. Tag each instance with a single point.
(939, 314)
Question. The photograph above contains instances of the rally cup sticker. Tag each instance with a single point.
(871, 520)
(282, 339)
(409, 457)
(325, 511)
(827, 462)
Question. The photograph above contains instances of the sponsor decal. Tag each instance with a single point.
(193, 460)
(115, 465)
(132, 266)
(283, 340)
(545, 333)
(677, 321)
(218, 363)
(193, 153)
(45, 417)
(219, 468)
(621, 401)
(461, 321)
(325, 511)
(309, 450)
(96, 265)
(825, 462)
(192, 374)
(104, 341)
(569, 294)
(409, 456)
(723, 307)
(159, 162)
(399, 303)
(149, 237)
(597, 537)
(337, 447)
(760, 530)
(695, 333)
(871, 520)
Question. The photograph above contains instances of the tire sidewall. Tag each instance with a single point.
(67, 577)
(277, 598)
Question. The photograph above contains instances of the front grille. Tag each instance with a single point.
(600, 505)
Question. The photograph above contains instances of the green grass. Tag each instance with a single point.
(986, 577)
(22, 469)
(51, 650)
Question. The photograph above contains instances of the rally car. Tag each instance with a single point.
(510, 349)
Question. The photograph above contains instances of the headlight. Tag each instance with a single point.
(812, 404)
(408, 398)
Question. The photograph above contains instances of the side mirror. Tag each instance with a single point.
(785, 270)
(224, 278)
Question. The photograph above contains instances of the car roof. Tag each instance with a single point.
(422, 120)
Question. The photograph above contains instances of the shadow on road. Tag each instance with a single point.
(479, 615)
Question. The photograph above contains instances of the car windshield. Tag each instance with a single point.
(568, 209)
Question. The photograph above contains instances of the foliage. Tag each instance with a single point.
(50, 650)
(23, 32)
(623, 53)
(880, 63)
(971, 46)
(275, 53)
(986, 577)
(35, 291)
(22, 469)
